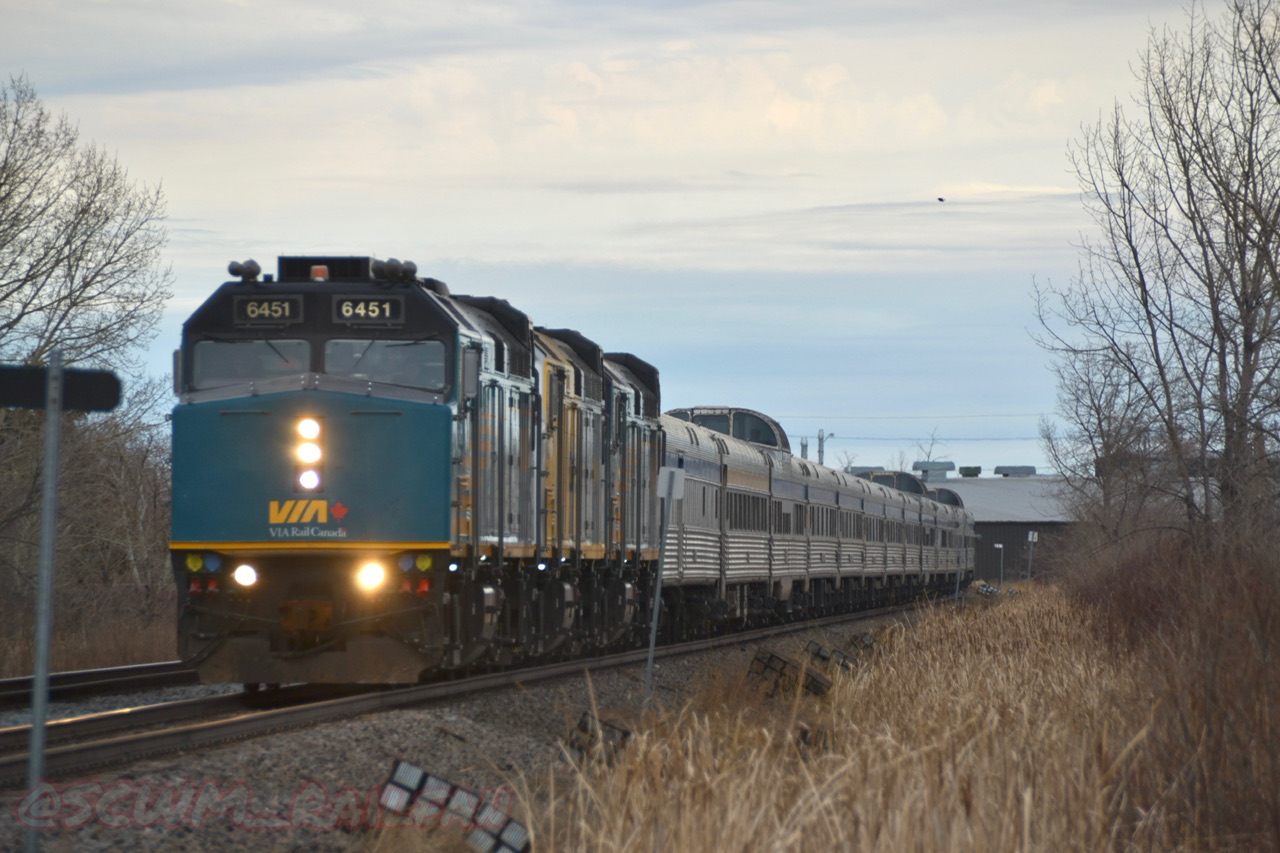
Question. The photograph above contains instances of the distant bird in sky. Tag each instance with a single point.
(940, 198)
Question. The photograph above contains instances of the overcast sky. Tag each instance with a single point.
(745, 194)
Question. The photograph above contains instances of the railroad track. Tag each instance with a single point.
(88, 682)
(175, 732)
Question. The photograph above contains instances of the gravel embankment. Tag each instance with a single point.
(312, 788)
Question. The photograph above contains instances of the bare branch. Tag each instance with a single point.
(1167, 343)
(80, 243)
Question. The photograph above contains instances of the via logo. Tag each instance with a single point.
(299, 511)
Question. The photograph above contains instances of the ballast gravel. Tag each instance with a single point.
(317, 788)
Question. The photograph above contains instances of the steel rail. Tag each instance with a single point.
(16, 738)
(87, 682)
(122, 749)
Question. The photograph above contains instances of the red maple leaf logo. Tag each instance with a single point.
(339, 511)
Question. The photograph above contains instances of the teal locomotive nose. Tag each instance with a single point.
(242, 471)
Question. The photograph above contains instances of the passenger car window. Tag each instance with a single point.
(749, 427)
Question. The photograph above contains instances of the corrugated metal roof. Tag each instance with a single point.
(994, 499)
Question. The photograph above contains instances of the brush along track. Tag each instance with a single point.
(76, 684)
(126, 748)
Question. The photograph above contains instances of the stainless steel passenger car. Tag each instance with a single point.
(761, 532)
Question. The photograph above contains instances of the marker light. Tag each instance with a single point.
(371, 575)
(195, 562)
(319, 272)
(245, 575)
(309, 452)
(309, 479)
(309, 428)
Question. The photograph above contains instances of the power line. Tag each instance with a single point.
(925, 439)
(906, 417)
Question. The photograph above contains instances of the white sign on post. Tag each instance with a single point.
(670, 483)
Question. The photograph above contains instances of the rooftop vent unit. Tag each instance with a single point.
(931, 471)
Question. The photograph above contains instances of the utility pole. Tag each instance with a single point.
(822, 440)
(1032, 537)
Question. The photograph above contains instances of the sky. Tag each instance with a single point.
(833, 212)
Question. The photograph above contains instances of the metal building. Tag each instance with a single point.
(1006, 508)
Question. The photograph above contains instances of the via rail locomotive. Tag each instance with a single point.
(375, 480)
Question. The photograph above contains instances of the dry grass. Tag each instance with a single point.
(1205, 633)
(112, 627)
(1134, 706)
(1001, 728)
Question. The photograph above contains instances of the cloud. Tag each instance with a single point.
(743, 189)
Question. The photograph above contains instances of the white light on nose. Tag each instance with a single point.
(371, 575)
(245, 575)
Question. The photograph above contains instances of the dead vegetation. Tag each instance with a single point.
(1130, 706)
(112, 625)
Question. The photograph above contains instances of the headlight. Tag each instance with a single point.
(371, 575)
(245, 575)
(308, 472)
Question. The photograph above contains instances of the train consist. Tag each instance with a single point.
(375, 480)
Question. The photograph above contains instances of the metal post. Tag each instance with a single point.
(1031, 549)
(657, 600)
(44, 600)
(999, 547)
(670, 489)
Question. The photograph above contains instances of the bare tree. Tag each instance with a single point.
(1107, 446)
(80, 271)
(925, 448)
(1168, 340)
(79, 243)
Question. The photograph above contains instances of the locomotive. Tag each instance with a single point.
(376, 480)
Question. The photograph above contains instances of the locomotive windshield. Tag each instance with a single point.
(230, 362)
(414, 364)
